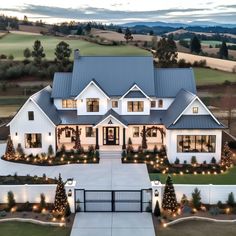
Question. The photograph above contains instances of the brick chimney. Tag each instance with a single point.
(76, 54)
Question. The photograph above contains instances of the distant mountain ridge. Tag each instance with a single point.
(177, 24)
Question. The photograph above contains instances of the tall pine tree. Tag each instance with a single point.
(195, 45)
(63, 52)
(223, 51)
(169, 201)
(61, 204)
(38, 52)
(166, 52)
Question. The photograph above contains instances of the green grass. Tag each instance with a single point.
(13, 100)
(206, 76)
(28, 229)
(196, 228)
(228, 177)
(15, 44)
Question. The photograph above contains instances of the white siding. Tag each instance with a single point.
(124, 108)
(171, 144)
(21, 125)
(58, 104)
(92, 92)
(201, 109)
(166, 103)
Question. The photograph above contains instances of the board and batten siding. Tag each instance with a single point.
(20, 126)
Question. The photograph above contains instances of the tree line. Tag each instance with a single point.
(35, 63)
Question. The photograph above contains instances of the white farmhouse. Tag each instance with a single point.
(106, 100)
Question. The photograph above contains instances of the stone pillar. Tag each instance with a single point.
(70, 191)
(97, 137)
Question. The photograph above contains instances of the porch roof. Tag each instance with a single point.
(71, 118)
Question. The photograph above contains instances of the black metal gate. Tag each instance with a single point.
(113, 200)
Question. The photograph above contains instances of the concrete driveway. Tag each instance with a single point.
(113, 224)
(109, 174)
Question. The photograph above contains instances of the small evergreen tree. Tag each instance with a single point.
(184, 200)
(19, 150)
(27, 54)
(130, 146)
(193, 160)
(10, 200)
(195, 45)
(42, 202)
(79, 30)
(157, 211)
(88, 28)
(61, 205)
(38, 52)
(169, 201)
(119, 30)
(128, 35)
(10, 150)
(196, 198)
(223, 51)
(231, 201)
(50, 150)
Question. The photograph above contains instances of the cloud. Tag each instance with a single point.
(108, 15)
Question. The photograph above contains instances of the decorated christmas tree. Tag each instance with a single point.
(169, 201)
(10, 150)
(61, 205)
(227, 154)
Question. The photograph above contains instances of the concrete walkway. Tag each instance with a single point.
(113, 224)
(109, 174)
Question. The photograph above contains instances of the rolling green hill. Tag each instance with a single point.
(15, 44)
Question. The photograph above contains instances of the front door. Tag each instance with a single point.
(110, 135)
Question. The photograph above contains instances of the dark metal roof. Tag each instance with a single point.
(169, 81)
(44, 101)
(114, 74)
(71, 117)
(182, 100)
(196, 122)
(135, 94)
(115, 115)
(61, 87)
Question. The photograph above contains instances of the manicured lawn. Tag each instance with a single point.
(228, 177)
(15, 44)
(28, 229)
(196, 228)
(208, 76)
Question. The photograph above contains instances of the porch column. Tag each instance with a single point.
(144, 139)
(124, 144)
(97, 145)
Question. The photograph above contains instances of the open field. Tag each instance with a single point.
(196, 228)
(112, 35)
(228, 178)
(214, 63)
(15, 44)
(206, 76)
(28, 229)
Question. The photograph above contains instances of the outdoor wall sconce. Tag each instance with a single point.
(49, 134)
(156, 193)
(70, 181)
(16, 134)
(69, 193)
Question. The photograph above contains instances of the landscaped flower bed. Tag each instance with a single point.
(157, 162)
(61, 158)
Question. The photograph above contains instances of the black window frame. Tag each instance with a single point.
(92, 104)
(133, 105)
(30, 144)
(30, 115)
(90, 133)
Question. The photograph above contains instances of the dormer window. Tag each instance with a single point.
(135, 106)
(114, 104)
(153, 103)
(195, 110)
(68, 103)
(92, 104)
(160, 103)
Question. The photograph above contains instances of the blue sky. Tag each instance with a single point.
(122, 11)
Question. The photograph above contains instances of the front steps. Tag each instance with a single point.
(109, 154)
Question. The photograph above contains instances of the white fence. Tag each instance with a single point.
(210, 194)
(31, 193)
